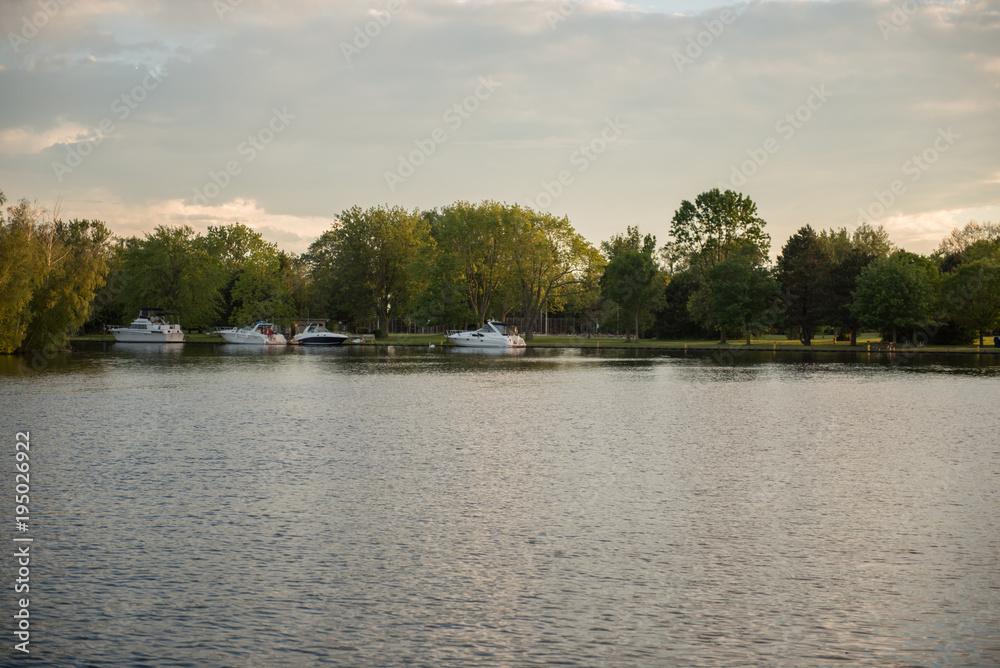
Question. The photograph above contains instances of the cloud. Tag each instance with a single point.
(688, 127)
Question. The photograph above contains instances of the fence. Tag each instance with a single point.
(550, 326)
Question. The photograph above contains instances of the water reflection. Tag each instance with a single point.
(377, 506)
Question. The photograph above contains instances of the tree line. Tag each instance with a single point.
(461, 264)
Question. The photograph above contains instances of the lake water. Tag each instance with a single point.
(223, 506)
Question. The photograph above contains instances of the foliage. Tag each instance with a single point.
(803, 270)
(630, 277)
(476, 245)
(972, 295)
(673, 320)
(49, 272)
(975, 241)
(176, 270)
(551, 264)
(370, 262)
(851, 253)
(736, 292)
(896, 292)
(706, 232)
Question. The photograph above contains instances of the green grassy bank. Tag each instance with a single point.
(764, 344)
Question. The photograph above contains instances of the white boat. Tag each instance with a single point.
(150, 327)
(261, 333)
(491, 335)
(316, 334)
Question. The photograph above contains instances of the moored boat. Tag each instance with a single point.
(491, 335)
(261, 333)
(150, 327)
(316, 334)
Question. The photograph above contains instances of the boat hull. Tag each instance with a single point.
(253, 339)
(141, 336)
(467, 341)
(317, 340)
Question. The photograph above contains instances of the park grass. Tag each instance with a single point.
(769, 343)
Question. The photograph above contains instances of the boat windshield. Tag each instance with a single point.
(487, 329)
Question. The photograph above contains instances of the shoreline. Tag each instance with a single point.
(658, 345)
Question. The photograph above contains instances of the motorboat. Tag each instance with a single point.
(150, 327)
(491, 335)
(261, 333)
(316, 334)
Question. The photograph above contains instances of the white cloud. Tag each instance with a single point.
(26, 139)
(686, 129)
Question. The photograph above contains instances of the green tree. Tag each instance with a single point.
(674, 320)
(174, 269)
(49, 273)
(736, 293)
(260, 293)
(630, 276)
(972, 295)
(242, 251)
(716, 224)
(476, 244)
(851, 253)
(551, 264)
(373, 261)
(975, 241)
(802, 269)
(896, 292)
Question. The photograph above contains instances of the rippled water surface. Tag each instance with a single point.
(200, 506)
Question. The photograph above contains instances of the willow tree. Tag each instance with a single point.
(49, 273)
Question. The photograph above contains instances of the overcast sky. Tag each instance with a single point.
(282, 114)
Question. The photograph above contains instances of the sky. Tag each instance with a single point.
(280, 115)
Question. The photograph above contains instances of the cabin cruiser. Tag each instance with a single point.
(316, 334)
(261, 333)
(491, 335)
(150, 327)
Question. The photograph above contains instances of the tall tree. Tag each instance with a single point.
(896, 292)
(737, 291)
(716, 224)
(374, 257)
(49, 273)
(551, 264)
(972, 295)
(630, 276)
(174, 269)
(477, 242)
(802, 269)
(972, 242)
(851, 253)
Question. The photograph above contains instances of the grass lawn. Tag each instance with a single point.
(772, 342)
